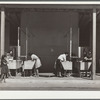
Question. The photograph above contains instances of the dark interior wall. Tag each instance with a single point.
(13, 34)
(48, 35)
(85, 27)
(98, 48)
(98, 44)
(7, 36)
(74, 21)
(0, 35)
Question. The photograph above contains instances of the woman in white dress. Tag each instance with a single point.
(37, 64)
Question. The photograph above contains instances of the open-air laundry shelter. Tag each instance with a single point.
(49, 28)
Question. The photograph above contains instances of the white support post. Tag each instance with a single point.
(18, 42)
(79, 48)
(2, 31)
(94, 46)
(26, 42)
(70, 42)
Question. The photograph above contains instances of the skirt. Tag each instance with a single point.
(4, 69)
(38, 63)
(58, 66)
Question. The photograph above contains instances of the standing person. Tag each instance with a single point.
(37, 64)
(11, 54)
(59, 67)
(90, 59)
(9, 59)
(4, 68)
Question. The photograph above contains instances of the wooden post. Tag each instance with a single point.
(70, 42)
(2, 31)
(94, 46)
(79, 48)
(26, 42)
(18, 42)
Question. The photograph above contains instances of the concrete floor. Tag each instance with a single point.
(45, 82)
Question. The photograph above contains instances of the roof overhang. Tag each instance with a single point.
(52, 2)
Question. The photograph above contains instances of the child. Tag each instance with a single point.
(4, 68)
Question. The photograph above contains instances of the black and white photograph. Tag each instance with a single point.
(49, 45)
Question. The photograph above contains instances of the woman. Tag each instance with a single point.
(37, 64)
(4, 68)
(59, 67)
(9, 59)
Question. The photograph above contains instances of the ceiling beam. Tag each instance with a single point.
(69, 6)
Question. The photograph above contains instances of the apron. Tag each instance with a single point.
(37, 63)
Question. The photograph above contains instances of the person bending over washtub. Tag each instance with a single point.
(37, 64)
(59, 68)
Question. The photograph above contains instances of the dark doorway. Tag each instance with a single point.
(85, 26)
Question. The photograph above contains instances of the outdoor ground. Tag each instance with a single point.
(47, 81)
